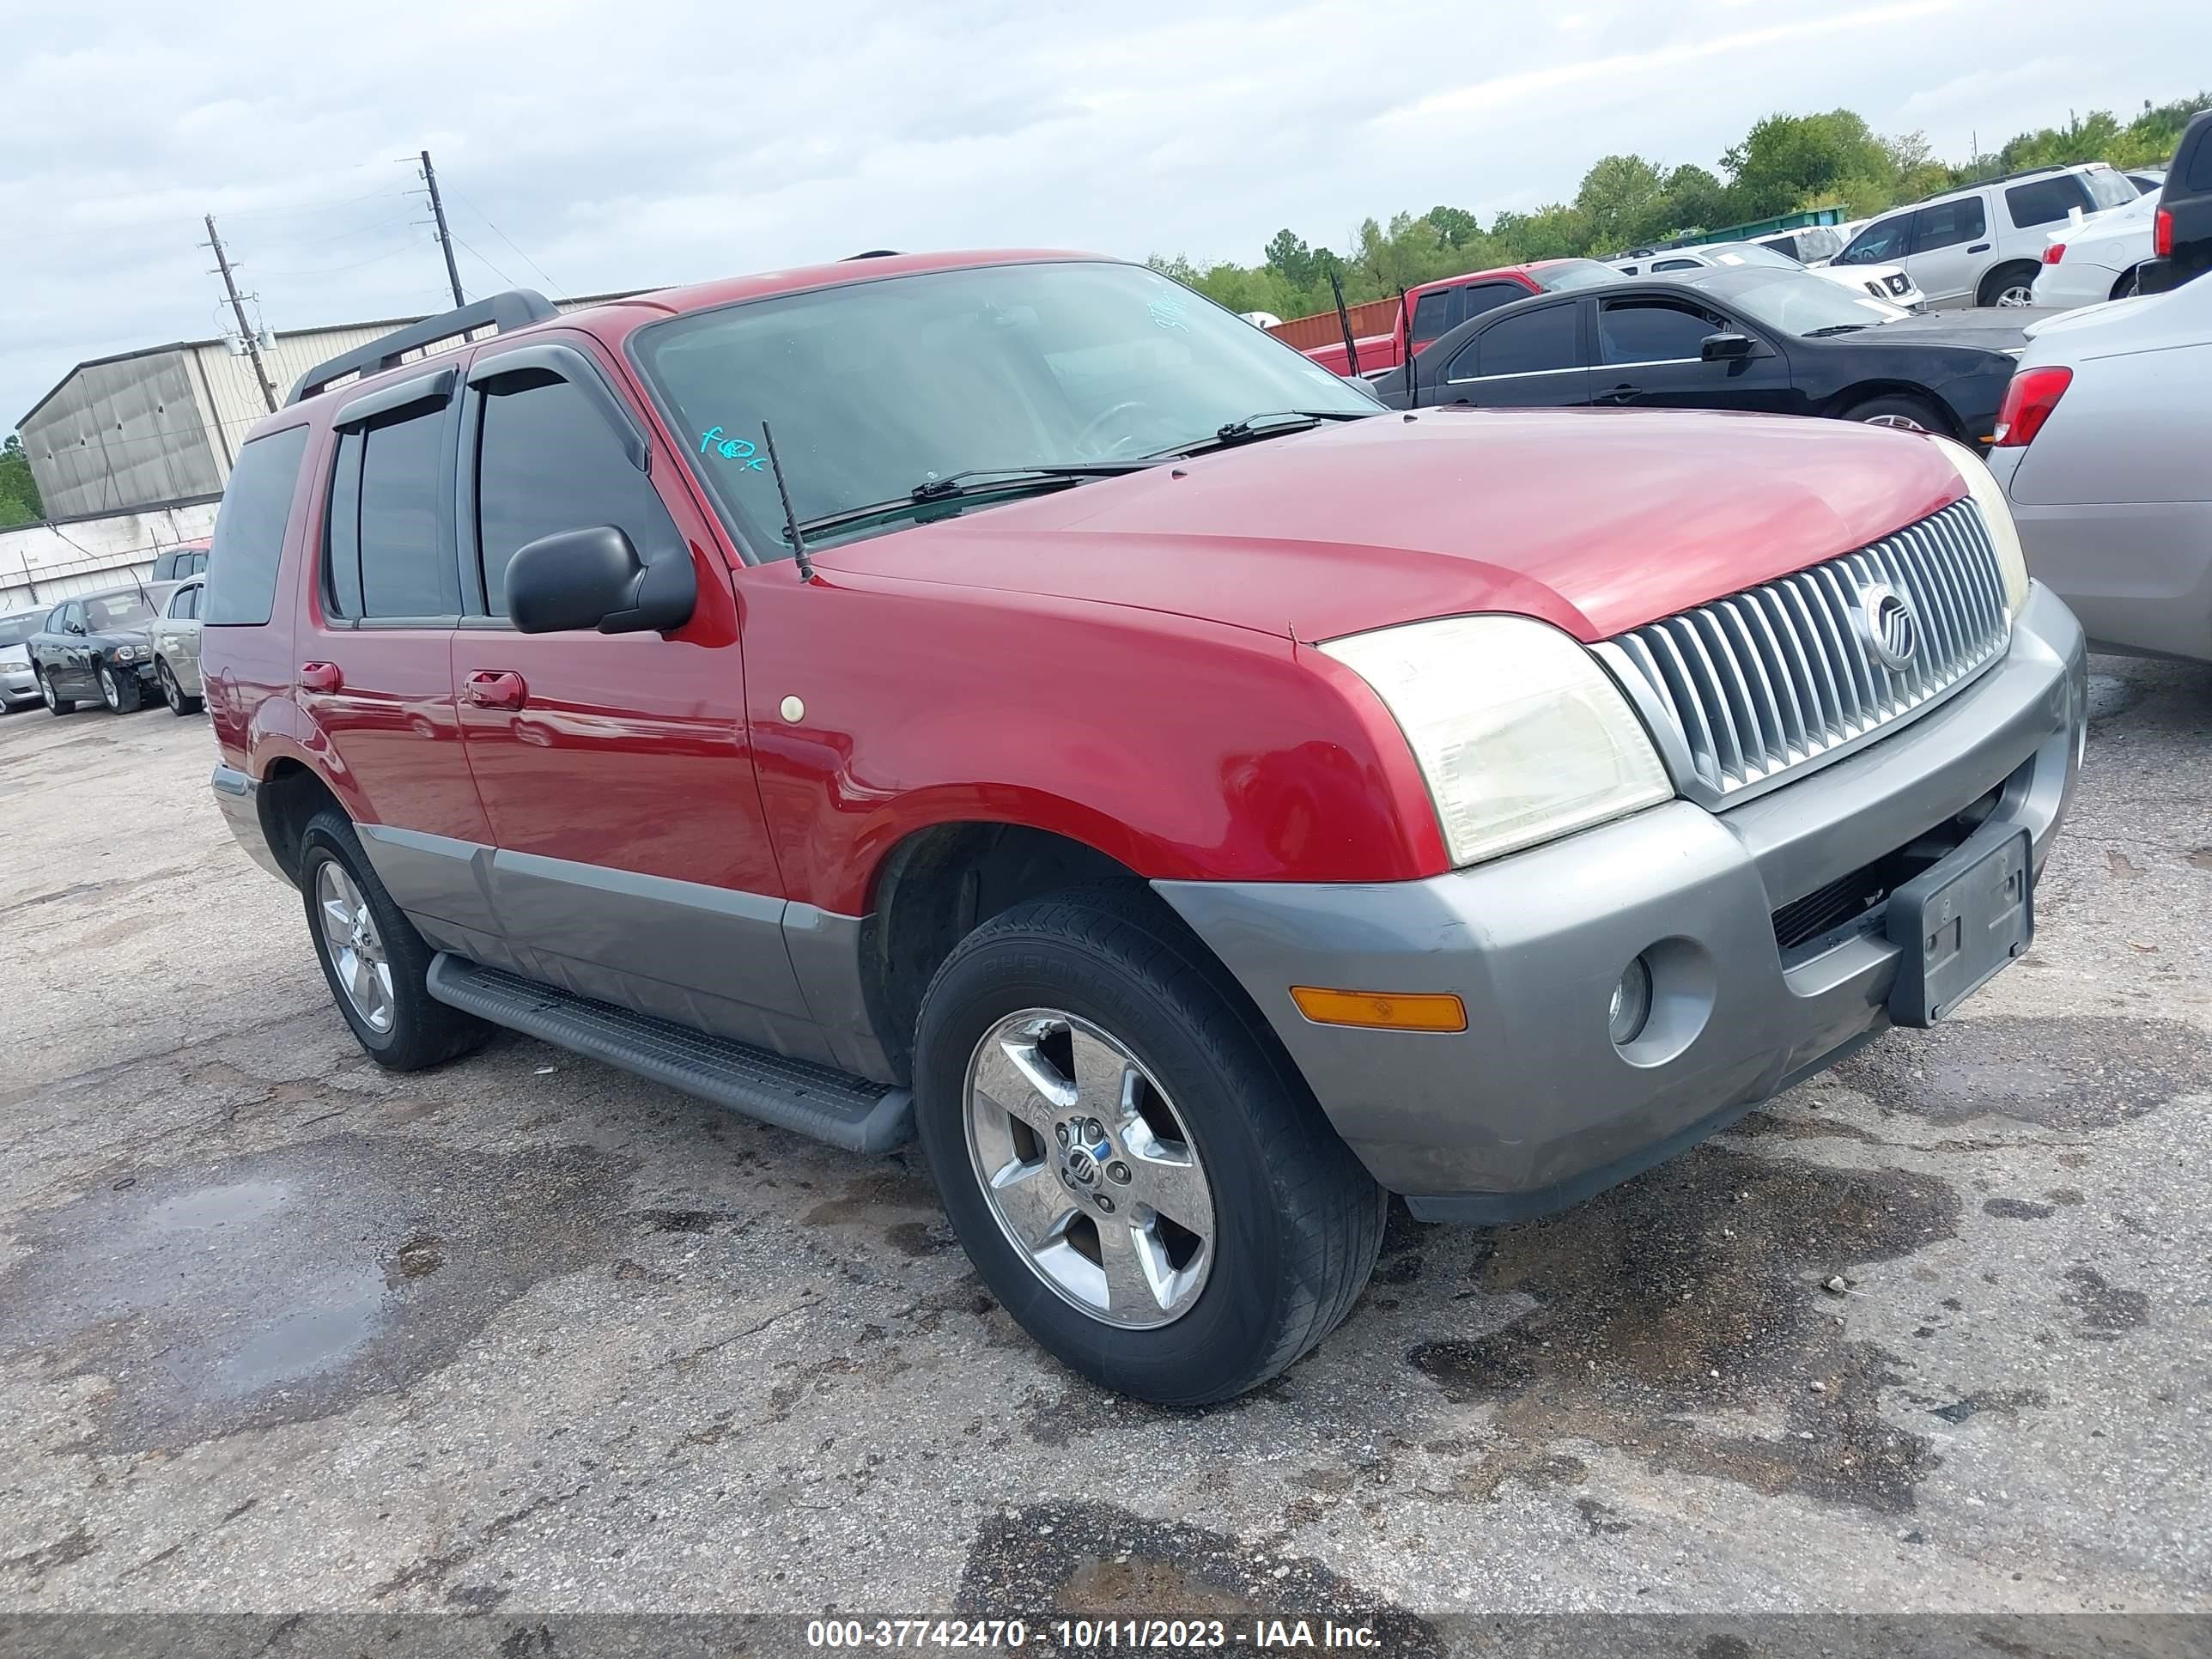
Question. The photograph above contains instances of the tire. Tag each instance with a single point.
(1899, 410)
(55, 705)
(402, 1027)
(122, 695)
(1295, 1221)
(172, 692)
(2008, 285)
(2129, 284)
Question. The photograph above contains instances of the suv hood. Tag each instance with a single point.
(1593, 521)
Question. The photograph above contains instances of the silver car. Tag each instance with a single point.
(2101, 445)
(176, 636)
(19, 685)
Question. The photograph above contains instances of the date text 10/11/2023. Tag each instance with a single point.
(1091, 1635)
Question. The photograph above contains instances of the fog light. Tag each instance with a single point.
(1631, 1004)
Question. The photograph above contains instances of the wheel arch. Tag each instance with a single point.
(1864, 392)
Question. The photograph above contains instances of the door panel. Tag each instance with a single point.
(615, 770)
(1649, 357)
(1951, 248)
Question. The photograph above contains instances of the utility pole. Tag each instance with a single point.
(445, 236)
(237, 309)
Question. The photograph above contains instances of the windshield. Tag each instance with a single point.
(1735, 254)
(1798, 302)
(14, 630)
(877, 387)
(1573, 273)
(116, 610)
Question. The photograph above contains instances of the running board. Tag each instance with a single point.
(813, 1100)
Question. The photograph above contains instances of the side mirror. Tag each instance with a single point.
(577, 579)
(1726, 348)
(73, 628)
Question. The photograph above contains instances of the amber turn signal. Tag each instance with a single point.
(1421, 1011)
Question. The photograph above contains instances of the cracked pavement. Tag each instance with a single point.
(279, 1331)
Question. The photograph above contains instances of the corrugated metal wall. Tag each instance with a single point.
(1325, 328)
(121, 436)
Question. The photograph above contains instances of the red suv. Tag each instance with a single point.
(1004, 699)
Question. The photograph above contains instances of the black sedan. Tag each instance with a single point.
(1755, 338)
(97, 645)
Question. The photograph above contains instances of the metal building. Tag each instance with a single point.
(159, 427)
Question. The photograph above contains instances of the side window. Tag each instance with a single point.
(1432, 315)
(546, 462)
(1650, 331)
(1883, 242)
(183, 603)
(195, 564)
(342, 530)
(405, 568)
(1545, 338)
(1949, 223)
(1658, 265)
(62, 617)
(2044, 201)
(249, 529)
(1479, 297)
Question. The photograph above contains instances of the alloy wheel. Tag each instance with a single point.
(46, 691)
(357, 958)
(2016, 294)
(172, 692)
(110, 692)
(1088, 1168)
(1902, 423)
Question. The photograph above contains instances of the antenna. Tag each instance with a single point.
(790, 518)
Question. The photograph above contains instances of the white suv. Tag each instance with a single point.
(1982, 245)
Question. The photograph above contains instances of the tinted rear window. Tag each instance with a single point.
(2047, 200)
(406, 567)
(1535, 341)
(249, 528)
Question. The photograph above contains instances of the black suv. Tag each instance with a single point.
(2182, 232)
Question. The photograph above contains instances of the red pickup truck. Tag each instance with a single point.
(1004, 700)
(1438, 307)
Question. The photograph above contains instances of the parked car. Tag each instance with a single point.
(1440, 307)
(96, 645)
(2101, 446)
(2098, 260)
(1887, 283)
(1191, 800)
(187, 559)
(2181, 229)
(19, 684)
(175, 635)
(2147, 181)
(1749, 338)
(1981, 245)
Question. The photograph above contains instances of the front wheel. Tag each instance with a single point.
(1906, 414)
(377, 964)
(174, 694)
(120, 692)
(1140, 1175)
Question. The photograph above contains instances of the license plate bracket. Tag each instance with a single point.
(1960, 920)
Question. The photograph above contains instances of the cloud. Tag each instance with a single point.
(625, 145)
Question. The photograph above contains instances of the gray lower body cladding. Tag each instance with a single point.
(1533, 1106)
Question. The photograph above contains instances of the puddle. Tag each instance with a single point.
(290, 1284)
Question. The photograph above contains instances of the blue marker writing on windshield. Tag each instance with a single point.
(730, 449)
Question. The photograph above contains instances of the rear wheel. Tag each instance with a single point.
(2009, 285)
(121, 692)
(375, 961)
(174, 694)
(55, 705)
(2130, 284)
(1907, 414)
(1139, 1177)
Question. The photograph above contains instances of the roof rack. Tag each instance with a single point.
(516, 308)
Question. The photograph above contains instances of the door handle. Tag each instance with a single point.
(1623, 393)
(320, 677)
(495, 688)
(1979, 247)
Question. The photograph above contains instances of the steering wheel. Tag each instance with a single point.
(1082, 439)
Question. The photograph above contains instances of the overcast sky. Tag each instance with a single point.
(631, 145)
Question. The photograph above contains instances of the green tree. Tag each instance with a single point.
(1292, 259)
(18, 490)
(1458, 227)
(1786, 161)
(1698, 200)
(1624, 198)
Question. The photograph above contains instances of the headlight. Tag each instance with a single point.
(126, 654)
(1520, 735)
(1996, 513)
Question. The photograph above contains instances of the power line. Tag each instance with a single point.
(509, 240)
(375, 258)
(494, 268)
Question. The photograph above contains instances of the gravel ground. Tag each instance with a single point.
(278, 1330)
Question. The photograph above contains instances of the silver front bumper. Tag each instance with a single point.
(1532, 1107)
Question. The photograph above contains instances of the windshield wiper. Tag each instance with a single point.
(975, 481)
(1267, 423)
(1834, 329)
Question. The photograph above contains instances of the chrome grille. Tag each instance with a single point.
(1746, 689)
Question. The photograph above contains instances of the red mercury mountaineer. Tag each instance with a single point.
(1100, 743)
